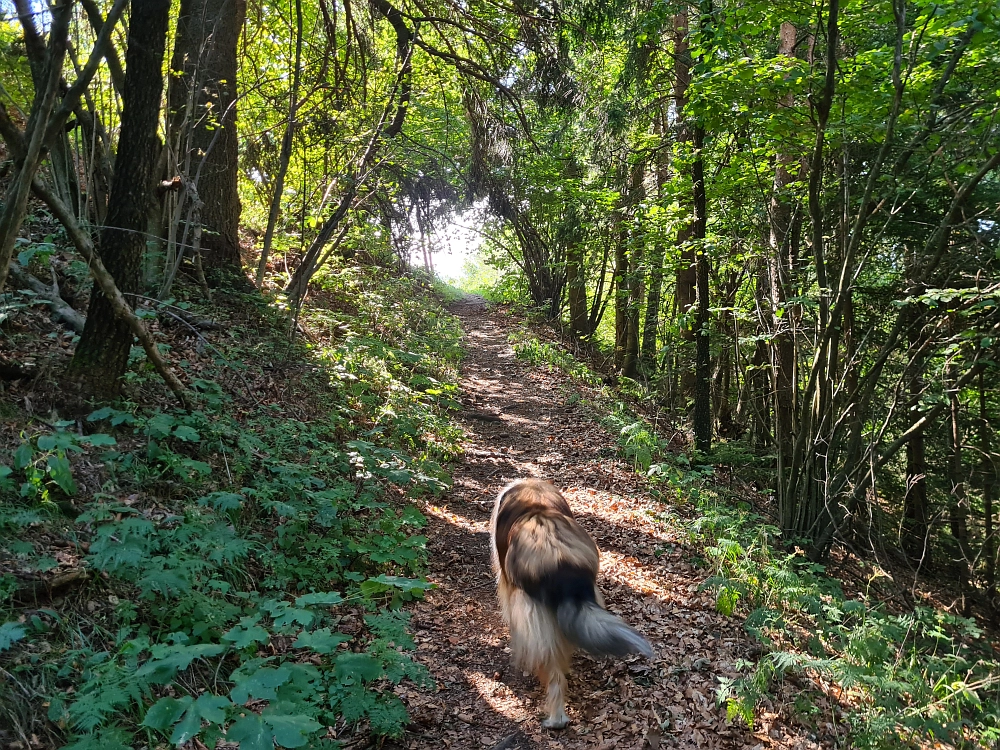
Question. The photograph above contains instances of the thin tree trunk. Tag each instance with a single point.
(576, 284)
(633, 278)
(650, 326)
(959, 510)
(989, 475)
(101, 356)
(203, 103)
(781, 267)
(97, 22)
(621, 290)
(916, 510)
(383, 131)
(702, 417)
(286, 149)
(802, 490)
(685, 293)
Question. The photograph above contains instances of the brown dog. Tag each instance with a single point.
(546, 567)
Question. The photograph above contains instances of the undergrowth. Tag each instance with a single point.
(238, 568)
(895, 678)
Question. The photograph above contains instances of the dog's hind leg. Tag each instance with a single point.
(553, 676)
(555, 699)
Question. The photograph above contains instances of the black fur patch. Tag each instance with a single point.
(566, 584)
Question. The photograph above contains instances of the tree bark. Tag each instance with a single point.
(202, 122)
(650, 326)
(633, 276)
(576, 284)
(916, 510)
(286, 149)
(989, 475)
(686, 276)
(959, 510)
(781, 263)
(702, 417)
(101, 356)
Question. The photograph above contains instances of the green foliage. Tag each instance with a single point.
(911, 677)
(533, 350)
(235, 540)
(42, 461)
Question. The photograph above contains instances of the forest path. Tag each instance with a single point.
(521, 421)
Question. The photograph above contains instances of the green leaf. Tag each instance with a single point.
(385, 582)
(319, 599)
(388, 715)
(169, 659)
(357, 667)
(413, 517)
(98, 439)
(285, 614)
(322, 641)
(188, 727)
(290, 730)
(251, 733)
(61, 474)
(10, 633)
(97, 416)
(260, 685)
(223, 501)
(187, 434)
(23, 455)
(162, 714)
(159, 425)
(246, 632)
(212, 707)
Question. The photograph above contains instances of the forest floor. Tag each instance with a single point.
(519, 421)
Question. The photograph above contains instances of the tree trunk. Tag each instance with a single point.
(702, 417)
(286, 149)
(633, 277)
(576, 284)
(15, 203)
(101, 356)
(202, 121)
(804, 503)
(916, 510)
(621, 291)
(781, 267)
(686, 277)
(650, 326)
(959, 510)
(989, 475)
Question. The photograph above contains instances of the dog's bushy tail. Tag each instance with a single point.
(596, 630)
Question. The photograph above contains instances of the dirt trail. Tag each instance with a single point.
(526, 421)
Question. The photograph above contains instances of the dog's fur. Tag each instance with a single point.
(546, 567)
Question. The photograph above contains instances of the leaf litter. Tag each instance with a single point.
(521, 420)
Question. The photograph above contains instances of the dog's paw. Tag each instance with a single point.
(556, 721)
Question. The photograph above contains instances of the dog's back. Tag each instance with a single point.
(539, 547)
(547, 567)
